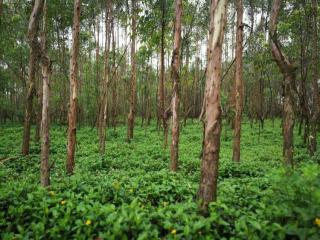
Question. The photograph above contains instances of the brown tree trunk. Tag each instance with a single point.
(72, 115)
(161, 110)
(133, 93)
(105, 84)
(38, 113)
(1, 8)
(287, 70)
(238, 82)
(315, 88)
(211, 112)
(97, 41)
(175, 65)
(45, 137)
(114, 79)
(33, 29)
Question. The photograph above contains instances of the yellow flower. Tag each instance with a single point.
(88, 222)
(173, 231)
(116, 185)
(63, 202)
(52, 193)
(317, 222)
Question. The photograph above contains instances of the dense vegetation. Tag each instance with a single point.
(130, 193)
(159, 119)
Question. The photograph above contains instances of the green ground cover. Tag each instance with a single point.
(131, 194)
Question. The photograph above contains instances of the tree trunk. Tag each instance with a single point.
(114, 79)
(175, 65)
(315, 88)
(38, 113)
(211, 112)
(287, 70)
(105, 84)
(33, 29)
(133, 93)
(72, 115)
(161, 109)
(238, 82)
(45, 137)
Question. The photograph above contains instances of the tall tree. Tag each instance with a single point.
(133, 93)
(33, 30)
(315, 88)
(175, 65)
(72, 115)
(211, 112)
(161, 92)
(105, 84)
(287, 70)
(46, 71)
(238, 82)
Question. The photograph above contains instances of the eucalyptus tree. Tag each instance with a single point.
(106, 79)
(72, 115)
(133, 93)
(175, 64)
(211, 111)
(288, 70)
(315, 88)
(238, 82)
(46, 71)
(33, 34)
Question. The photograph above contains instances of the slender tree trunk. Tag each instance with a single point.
(161, 80)
(97, 68)
(72, 115)
(1, 9)
(114, 79)
(105, 84)
(211, 112)
(39, 113)
(287, 70)
(133, 93)
(315, 88)
(238, 83)
(33, 29)
(45, 136)
(175, 65)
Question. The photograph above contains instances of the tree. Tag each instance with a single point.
(238, 83)
(104, 97)
(211, 112)
(161, 93)
(287, 69)
(46, 71)
(133, 93)
(72, 115)
(33, 30)
(315, 88)
(175, 65)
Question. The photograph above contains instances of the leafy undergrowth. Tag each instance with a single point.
(130, 193)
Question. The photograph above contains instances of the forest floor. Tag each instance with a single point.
(131, 194)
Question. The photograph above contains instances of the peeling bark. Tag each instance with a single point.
(175, 65)
(288, 71)
(72, 115)
(238, 82)
(133, 93)
(211, 112)
(33, 30)
(45, 135)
